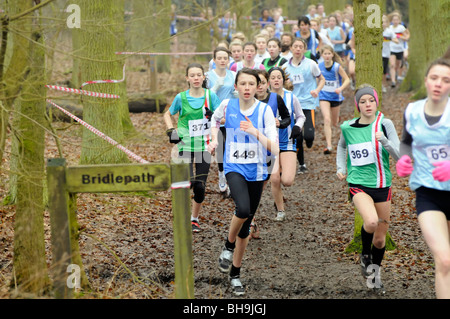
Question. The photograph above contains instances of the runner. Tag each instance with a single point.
(261, 52)
(426, 139)
(388, 36)
(397, 49)
(336, 80)
(274, 59)
(192, 134)
(337, 35)
(304, 74)
(221, 82)
(237, 51)
(282, 120)
(286, 41)
(249, 58)
(284, 168)
(363, 160)
(251, 125)
(311, 37)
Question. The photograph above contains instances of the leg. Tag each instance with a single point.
(435, 229)
(392, 64)
(275, 185)
(326, 113)
(202, 165)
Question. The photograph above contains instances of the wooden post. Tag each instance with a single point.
(182, 231)
(59, 221)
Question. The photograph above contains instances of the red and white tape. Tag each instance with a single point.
(162, 53)
(100, 134)
(106, 81)
(83, 92)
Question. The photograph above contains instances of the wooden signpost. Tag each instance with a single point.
(65, 181)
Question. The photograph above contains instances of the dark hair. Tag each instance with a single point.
(249, 72)
(303, 19)
(440, 61)
(221, 49)
(197, 65)
(276, 40)
(249, 43)
(263, 73)
(277, 68)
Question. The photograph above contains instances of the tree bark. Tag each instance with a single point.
(98, 46)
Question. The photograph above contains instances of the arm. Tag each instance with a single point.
(320, 85)
(391, 143)
(284, 113)
(346, 81)
(341, 158)
(299, 115)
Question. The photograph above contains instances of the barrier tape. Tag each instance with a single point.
(83, 92)
(178, 185)
(100, 134)
(106, 81)
(162, 53)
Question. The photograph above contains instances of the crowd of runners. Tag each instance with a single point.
(253, 110)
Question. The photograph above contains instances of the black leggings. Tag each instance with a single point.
(221, 136)
(306, 134)
(246, 196)
(198, 181)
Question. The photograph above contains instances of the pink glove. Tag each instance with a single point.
(442, 171)
(404, 166)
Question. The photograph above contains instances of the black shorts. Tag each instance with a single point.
(432, 199)
(378, 195)
(398, 55)
(333, 103)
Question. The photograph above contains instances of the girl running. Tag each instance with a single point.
(426, 139)
(195, 107)
(336, 80)
(284, 168)
(221, 81)
(261, 52)
(307, 80)
(251, 134)
(397, 48)
(337, 36)
(248, 60)
(363, 159)
(274, 59)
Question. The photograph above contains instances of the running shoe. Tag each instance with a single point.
(378, 286)
(281, 216)
(393, 85)
(222, 182)
(254, 231)
(302, 169)
(327, 150)
(225, 260)
(236, 286)
(365, 261)
(195, 226)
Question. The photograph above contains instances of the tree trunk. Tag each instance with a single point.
(369, 69)
(435, 15)
(30, 267)
(99, 61)
(333, 5)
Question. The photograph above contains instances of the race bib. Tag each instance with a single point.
(297, 79)
(361, 154)
(330, 86)
(199, 127)
(243, 153)
(438, 153)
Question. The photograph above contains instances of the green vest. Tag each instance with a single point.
(266, 63)
(367, 160)
(193, 128)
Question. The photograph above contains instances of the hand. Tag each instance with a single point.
(212, 147)
(247, 127)
(314, 93)
(208, 113)
(442, 171)
(220, 81)
(296, 132)
(404, 166)
(173, 136)
(338, 91)
(277, 122)
(340, 176)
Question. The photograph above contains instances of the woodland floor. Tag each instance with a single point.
(301, 258)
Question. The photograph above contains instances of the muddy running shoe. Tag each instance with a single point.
(281, 216)
(222, 182)
(195, 226)
(302, 169)
(236, 286)
(327, 150)
(365, 261)
(225, 260)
